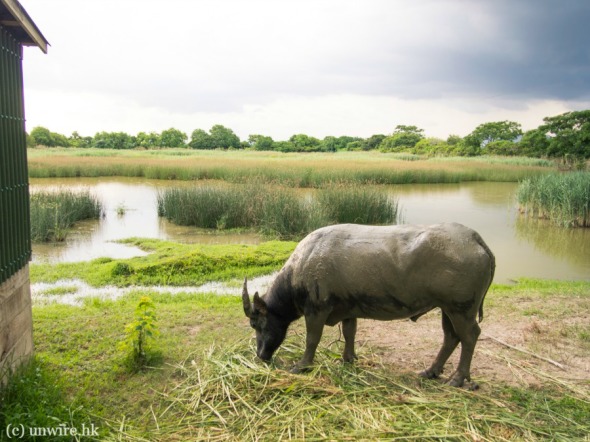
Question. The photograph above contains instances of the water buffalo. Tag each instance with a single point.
(343, 272)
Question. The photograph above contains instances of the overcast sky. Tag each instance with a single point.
(319, 67)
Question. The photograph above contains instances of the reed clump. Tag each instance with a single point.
(275, 210)
(563, 198)
(357, 204)
(53, 213)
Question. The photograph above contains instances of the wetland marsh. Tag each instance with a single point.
(523, 247)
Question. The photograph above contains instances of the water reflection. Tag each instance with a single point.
(572, 245)
(528, 248)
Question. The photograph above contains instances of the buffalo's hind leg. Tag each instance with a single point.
(468, 331)
(451, 340)
(349, 332)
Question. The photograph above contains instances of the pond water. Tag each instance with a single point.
(523, 247)
(130, 210)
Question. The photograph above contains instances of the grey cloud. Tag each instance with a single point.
(533, 49)
(539, 50)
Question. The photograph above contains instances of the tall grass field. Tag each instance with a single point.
(275, 210)
(53, 213)
(289, 169)
(562, 198)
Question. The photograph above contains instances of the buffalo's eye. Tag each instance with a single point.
(253, 323)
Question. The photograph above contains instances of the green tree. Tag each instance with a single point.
(329, 144)
(261, 142)
(172, 138)
(453, 140)
(305, 143)
(60, 140)
(113, 140)
(201, 140)
(534, 143)
(432, 146)
(30, 140)
(148, 140)
(345, 142)
(76, 140)
(403, 138)
(333, 144)
(503, 147)
(569, 134)
(357, 145)
(374, 141)
(284, 146)
(224, 138)
(41, 136)
(140, 334)
(494, 131)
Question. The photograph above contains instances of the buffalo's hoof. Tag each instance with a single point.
(349, 359)
(471, 386)
(298, 369)
(455, 382)
(430, 374)
(461, 382)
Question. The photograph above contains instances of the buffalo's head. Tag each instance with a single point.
(270, 329)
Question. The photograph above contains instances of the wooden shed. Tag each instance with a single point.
(16, 328)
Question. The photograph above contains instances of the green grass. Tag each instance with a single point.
(356, 204)
(208, 206)
(509, 161)
(562, 198)
(209, 385)
(171, 263)
(542, 288)
(289, 169)
(34, 398)
(53, 213)
(275, 210)
(59, 291)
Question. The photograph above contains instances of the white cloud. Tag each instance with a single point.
(353, 115)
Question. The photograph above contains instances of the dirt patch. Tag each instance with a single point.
(512, 349)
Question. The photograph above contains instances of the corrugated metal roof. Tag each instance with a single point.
(15, 19)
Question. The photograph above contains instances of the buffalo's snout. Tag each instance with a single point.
(264, 356)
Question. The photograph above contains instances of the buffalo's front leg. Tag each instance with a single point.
(314, 325)
(349, 332)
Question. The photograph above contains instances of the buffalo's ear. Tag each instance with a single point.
(259, 304)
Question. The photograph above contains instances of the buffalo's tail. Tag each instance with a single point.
(481, 242)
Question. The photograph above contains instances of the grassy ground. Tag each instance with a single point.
(296, 169)
(170, 263)
(208, 385)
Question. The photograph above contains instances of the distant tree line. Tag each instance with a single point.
(565, 136)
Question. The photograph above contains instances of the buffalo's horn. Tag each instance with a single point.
(246, 299)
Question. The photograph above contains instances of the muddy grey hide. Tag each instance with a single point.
(343, 272)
